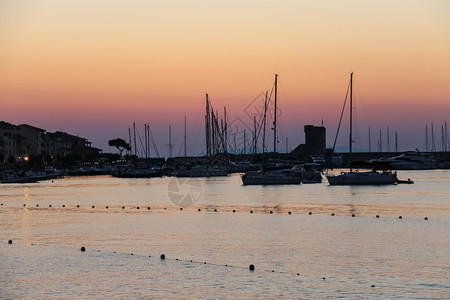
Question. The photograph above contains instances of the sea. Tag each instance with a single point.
(307, 241)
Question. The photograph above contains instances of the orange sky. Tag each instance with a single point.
(94, 67)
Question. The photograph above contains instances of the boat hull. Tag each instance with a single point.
(269, 180)
(363, 178)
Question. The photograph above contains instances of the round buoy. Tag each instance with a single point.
(310, 213)
(353, 215)
(373, 285)
(148, 208)
(400, 217)
(289, 212)
(377, 216)
(273, 271)
(164, 208)
(271, 212)
(323, 278)
(107, 206)
(332, 214)
(199, 209)
(234, 210)
(37, 205)
(78, 206)
(298, 274)
(137, 207)
(191, 260)
(24, 205)
(83, 249)
(181, 208)
(251, 211)
(204, 263)
(130, 253)
(215, 209)
(10, 242)
(93, 206)
(426, 218)
(176, 258)
(64, 205)
(50, 205)
(123, 207)
(163, 256)
(251, 267)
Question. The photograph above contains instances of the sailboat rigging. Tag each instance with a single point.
(355, 177)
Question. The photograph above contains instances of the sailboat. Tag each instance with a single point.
(355, 177)
(275, 177)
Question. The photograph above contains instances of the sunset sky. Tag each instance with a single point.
(93, 67)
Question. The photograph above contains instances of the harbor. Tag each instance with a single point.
(318, 241)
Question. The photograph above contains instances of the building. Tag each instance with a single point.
(22, 141)
(315, 143)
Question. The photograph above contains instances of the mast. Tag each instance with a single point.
(369, 140)
(264, 128)
(170, 141)
(184, 139)
(275, 123)
(351, 119)
(426, 137)
(134, 133)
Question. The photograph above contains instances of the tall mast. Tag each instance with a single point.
(426, 137)
(264, 127)
(134, 133)
(207, 128)
(351, 118)
(369, 140)
(275, 123)
(185, 139)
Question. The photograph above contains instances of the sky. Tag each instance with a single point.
(93, 67)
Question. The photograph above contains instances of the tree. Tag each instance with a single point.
(119, 144)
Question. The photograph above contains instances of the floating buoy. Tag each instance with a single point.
(353, 215)
(199, 209)
(373, 285)
(323, 278)
(251, 268)
(234, 210)
(273, 271)
(176, 258)
(107, 206)
(289, 212)
(332, 214)
(137, 207)
(163, 256)
(37, 205)
(148, 208)
(24, 205)
(64, 205)
(400, 217)
(130, 253)
(10, 242)
(204, 263)
(215, 209)
(181, 208)
(50, 205)
(78, 206)
(251, 211)
(191, 260)
(271, 212)
(164, 208)
(93, 206)
(123, 207)
(426, 218)
(298, 274)
(377, 216)
(83, 249)
(310, 213)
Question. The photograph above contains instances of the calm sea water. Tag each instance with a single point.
(300, 250)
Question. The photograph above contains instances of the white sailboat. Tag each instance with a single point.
(355, 177)
(277, 177)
